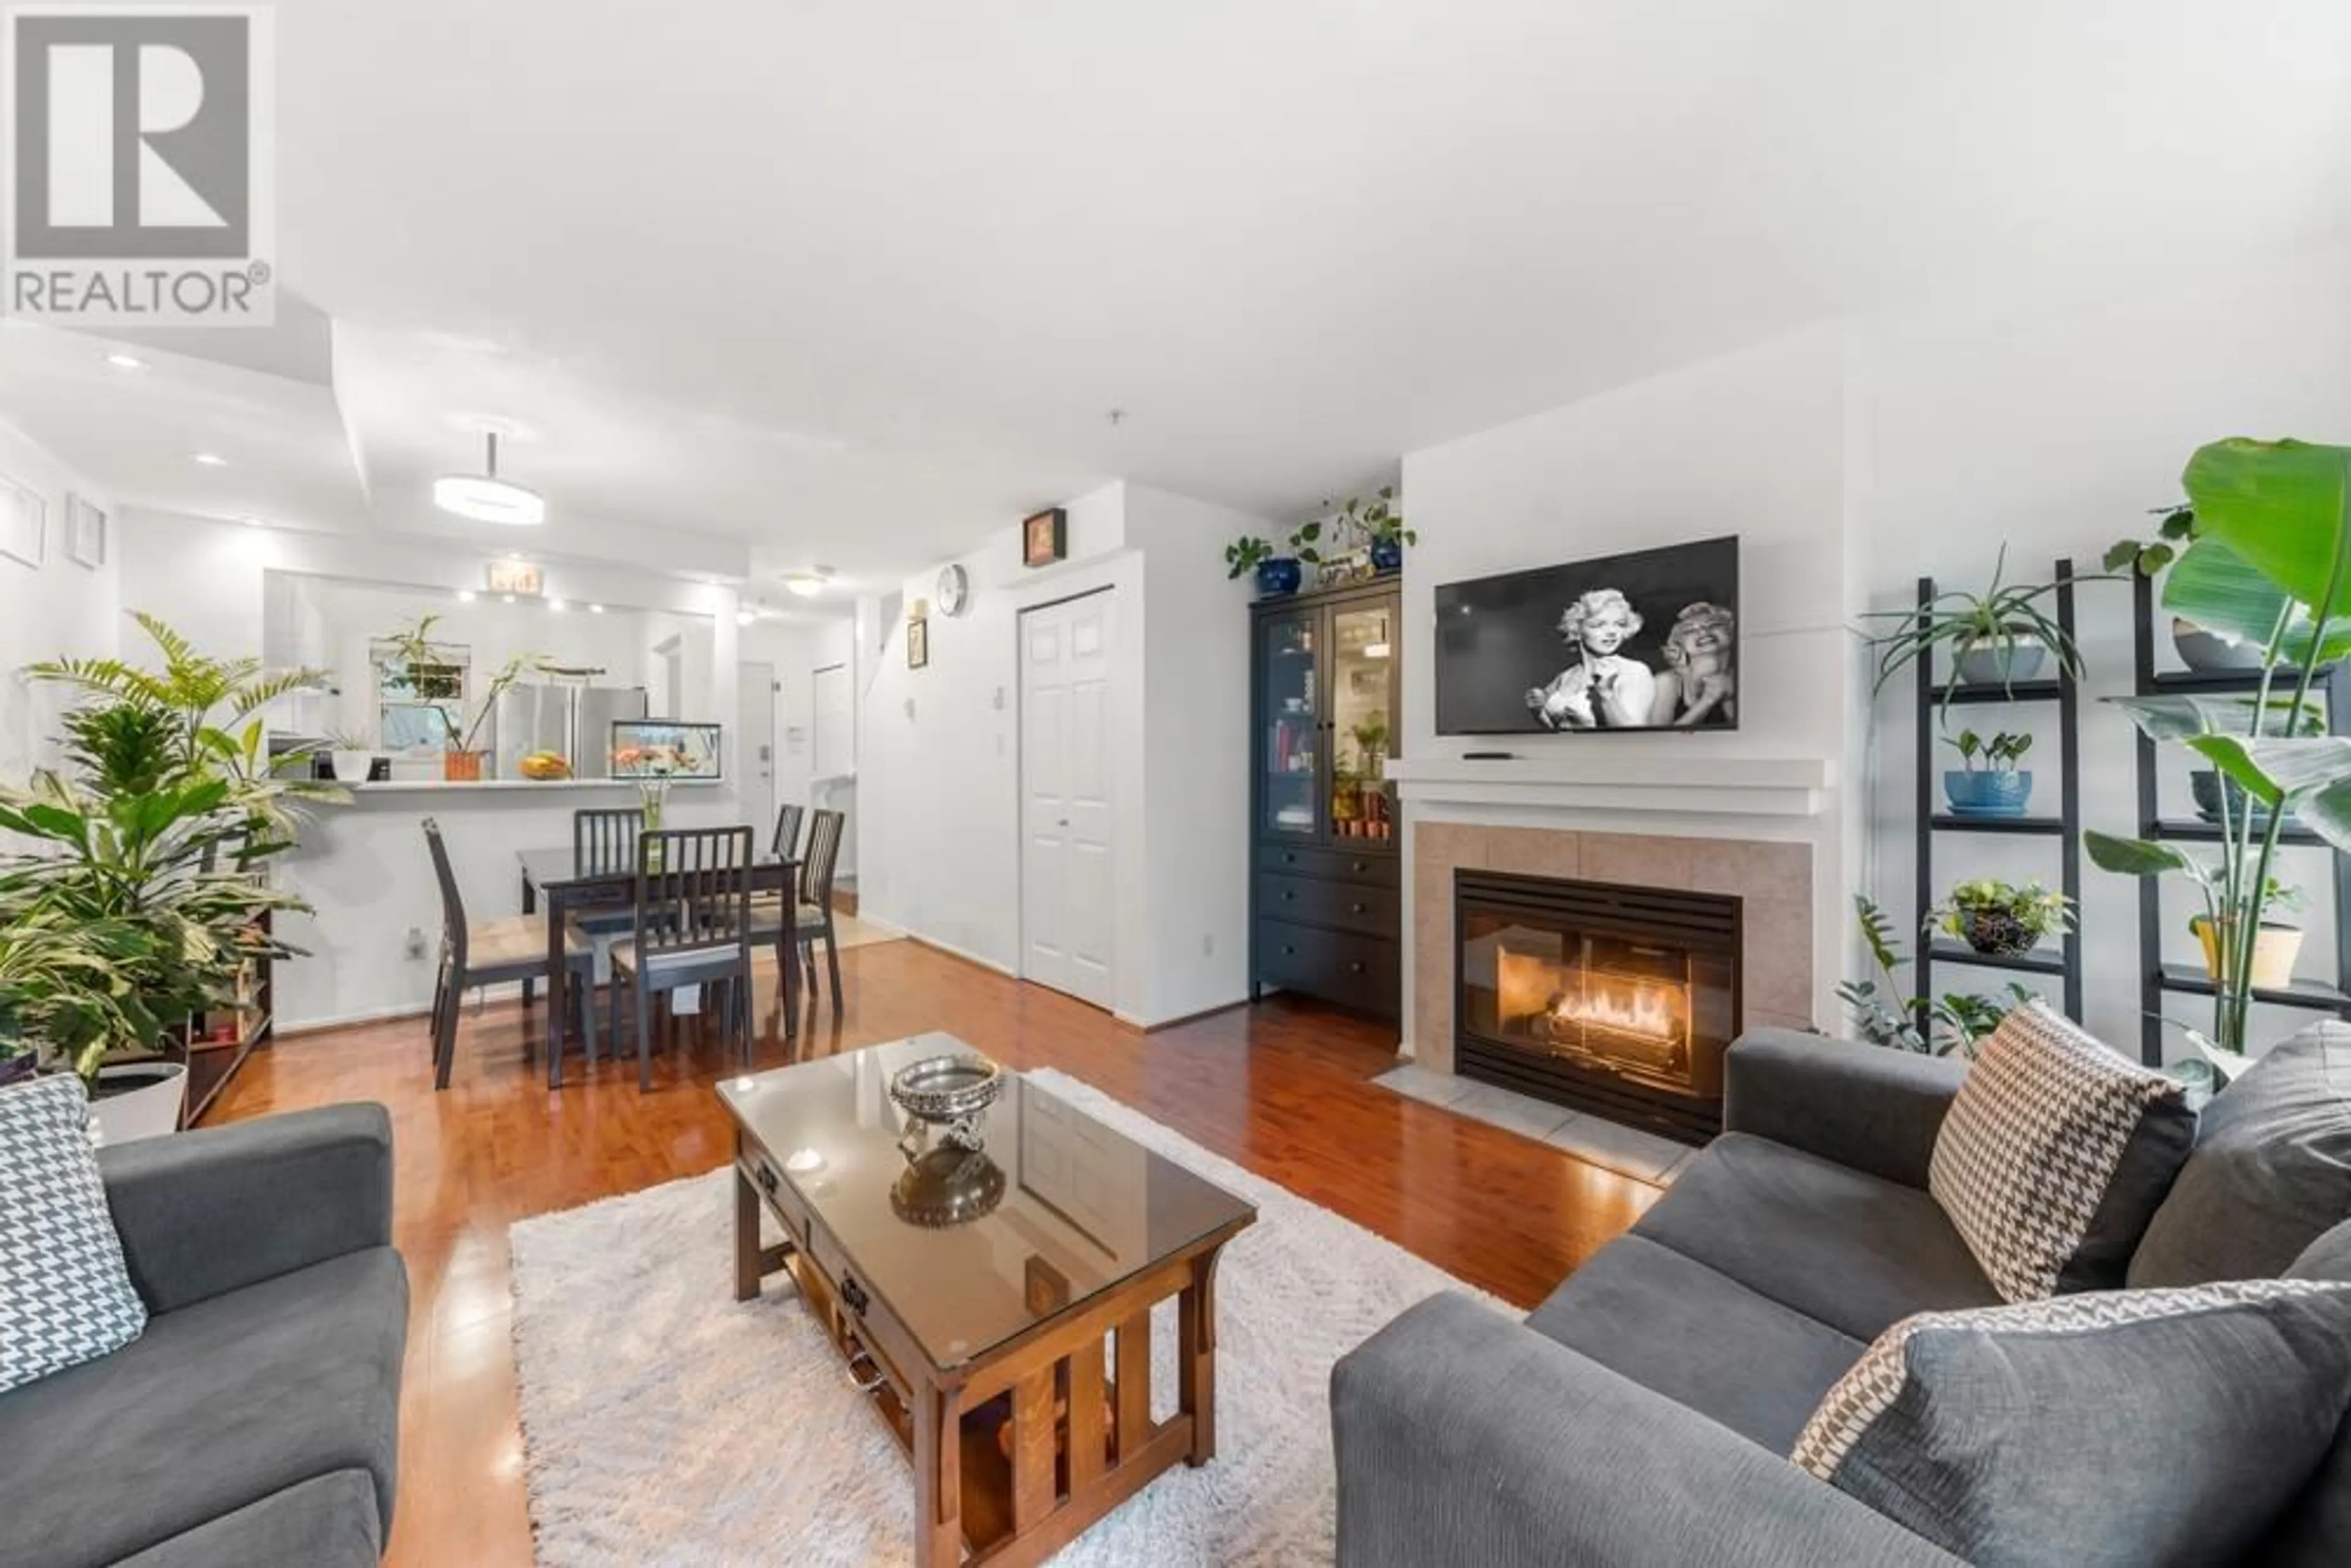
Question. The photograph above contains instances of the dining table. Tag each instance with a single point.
(564, 882)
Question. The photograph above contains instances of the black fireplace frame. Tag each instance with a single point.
(1714, 922)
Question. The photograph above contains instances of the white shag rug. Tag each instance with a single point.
(664, 1423)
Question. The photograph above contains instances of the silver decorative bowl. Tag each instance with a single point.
(949, 1092)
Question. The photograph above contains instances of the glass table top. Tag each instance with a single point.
(969, 1250)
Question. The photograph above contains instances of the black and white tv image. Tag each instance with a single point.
(1648, 641)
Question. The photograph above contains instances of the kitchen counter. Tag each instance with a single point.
(539, 786)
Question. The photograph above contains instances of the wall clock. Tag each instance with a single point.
(955, 590)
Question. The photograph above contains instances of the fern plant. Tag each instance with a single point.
(1932, 1026)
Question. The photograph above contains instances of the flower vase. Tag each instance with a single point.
(653, 797)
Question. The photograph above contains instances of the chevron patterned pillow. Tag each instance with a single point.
(2047, 1127)
(64, 1291)
(2104, 1427)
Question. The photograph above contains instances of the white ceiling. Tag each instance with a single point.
(763, 284)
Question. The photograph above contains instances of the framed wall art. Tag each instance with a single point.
(86, 532)
(918, 643)
(1045, 537)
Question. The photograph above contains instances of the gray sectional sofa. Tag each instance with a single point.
(256, 1421)
(1645, 1413)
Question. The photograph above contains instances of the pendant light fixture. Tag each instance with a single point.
(486, 498)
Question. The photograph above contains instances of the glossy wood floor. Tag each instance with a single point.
(1282, 1088)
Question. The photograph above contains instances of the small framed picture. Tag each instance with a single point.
(24, 521)
(1045, 537)
(85, 532)
(918, 643)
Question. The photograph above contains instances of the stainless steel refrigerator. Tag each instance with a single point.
(575, 722)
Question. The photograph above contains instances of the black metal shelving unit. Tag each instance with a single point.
(2157, 978)
(2064, 961)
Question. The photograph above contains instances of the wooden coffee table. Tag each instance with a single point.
(996, 1306)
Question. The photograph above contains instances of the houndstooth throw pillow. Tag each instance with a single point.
(64, 1291)
(2109, 1426)
(2041, 1129)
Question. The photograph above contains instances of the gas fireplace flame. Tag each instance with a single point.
(1633, 1009)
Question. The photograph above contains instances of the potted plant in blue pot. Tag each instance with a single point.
(1276, 575)
(1998, 789)
(1383, 524)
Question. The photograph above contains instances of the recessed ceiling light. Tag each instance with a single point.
(211, 459)
(465, 596)
(506, 599)
(486, 498)
(595, 610)
(745, 617)
(126, 361)
(557, 605)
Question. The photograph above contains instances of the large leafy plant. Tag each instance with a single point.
(132, 900)
(196, 717)
(2266, 557)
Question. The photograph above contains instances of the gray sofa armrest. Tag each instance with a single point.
(1465, 1436)
(205, 1212)
(1871, 1107)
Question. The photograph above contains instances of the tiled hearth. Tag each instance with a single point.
(1644, 1157)
(1774, 880)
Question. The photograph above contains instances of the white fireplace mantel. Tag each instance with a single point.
(1589, 778)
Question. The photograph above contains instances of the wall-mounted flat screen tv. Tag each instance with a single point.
(1643, 641)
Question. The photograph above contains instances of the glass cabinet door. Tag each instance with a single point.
(1290, 760)
(1363, 722)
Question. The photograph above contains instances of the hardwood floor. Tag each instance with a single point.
(1282, 1089)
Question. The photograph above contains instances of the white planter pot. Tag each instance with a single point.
(150, 1110)
(352, 767)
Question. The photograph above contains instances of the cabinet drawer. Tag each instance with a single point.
(782, 1201)
(1349, 906)
(1355, 970)
(865, 1315)
(1375, 868)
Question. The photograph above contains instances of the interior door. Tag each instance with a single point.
(755, 741)
(1068, 812)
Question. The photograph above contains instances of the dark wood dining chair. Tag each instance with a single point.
(814, 918)
(691, 927)
(786, 841)
(604, 839)
(489, 953)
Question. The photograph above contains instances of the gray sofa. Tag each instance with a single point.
(256, 1419)
(1645, 1413)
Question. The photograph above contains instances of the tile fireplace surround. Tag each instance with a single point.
(1773, 878)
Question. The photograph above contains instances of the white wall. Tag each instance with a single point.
(1752, 444)
(938, 747)
(2056, 426)
(1196, 752)
(59, 609)
(939, 750)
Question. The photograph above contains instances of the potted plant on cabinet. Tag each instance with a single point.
(2268, 551)
(1998, 788)
(2002, 918)
(1995, 639)
(1276, 575)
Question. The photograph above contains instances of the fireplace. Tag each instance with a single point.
(1618, 1001)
